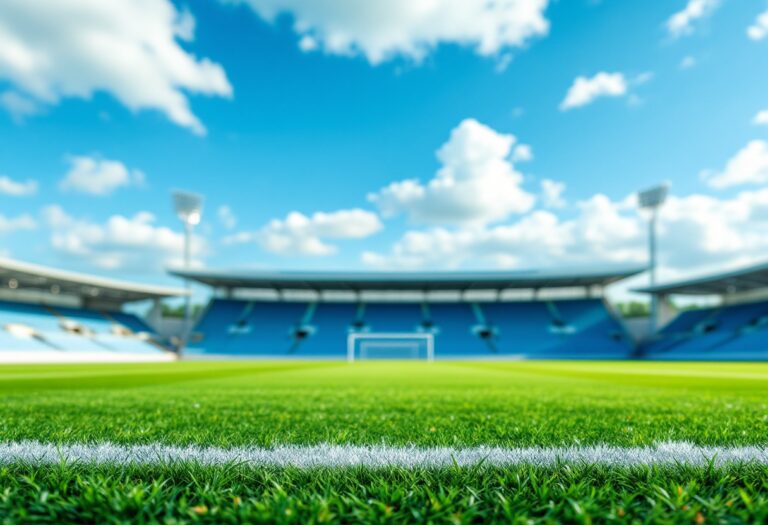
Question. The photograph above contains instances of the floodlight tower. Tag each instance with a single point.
(652, 199)
(189, 208)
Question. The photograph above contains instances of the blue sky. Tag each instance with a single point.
(338, 135)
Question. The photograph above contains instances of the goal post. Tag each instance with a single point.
(363, 342)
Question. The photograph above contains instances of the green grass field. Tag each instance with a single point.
(459, 404)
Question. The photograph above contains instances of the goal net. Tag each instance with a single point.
(390, 346)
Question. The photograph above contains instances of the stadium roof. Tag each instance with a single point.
(26, 276)
(423, 281)
(742, 280)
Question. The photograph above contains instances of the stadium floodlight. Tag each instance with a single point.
(652, 199)
(189, 209)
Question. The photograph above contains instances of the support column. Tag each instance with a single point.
(665, 312)
(654, 313)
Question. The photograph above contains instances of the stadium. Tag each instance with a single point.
(383, 261)
(301, 396)
(51, 316)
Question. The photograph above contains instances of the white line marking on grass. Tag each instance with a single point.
(378, 456)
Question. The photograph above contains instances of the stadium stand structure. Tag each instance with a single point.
(735, 329)
(52, 316)
(516, 314)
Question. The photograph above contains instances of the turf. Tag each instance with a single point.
(461, 403)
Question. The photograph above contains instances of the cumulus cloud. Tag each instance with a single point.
(307, 44)
(18, 105)
(97, 176)
(682, 22)
(539, 239)
(133, 243)
(131, 49)
(748, 166)
(22, 222)
(522, 153)
(15, 188)
(761, 118)
(759, 29)
(552, 193)
(586, 90)
(299, 234)
(227, 217)
(696, 232)
(476, 184)
(380, 31)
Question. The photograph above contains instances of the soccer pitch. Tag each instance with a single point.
(385, 442)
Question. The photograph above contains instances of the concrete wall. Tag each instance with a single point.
(639, 328)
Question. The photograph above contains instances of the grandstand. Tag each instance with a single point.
(53, 316)
(735, 329)
(49, 315)
(514, 314)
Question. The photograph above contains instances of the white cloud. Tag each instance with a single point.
(748, 166)
(761, 118)
(522, 153)
(18, 105)
(227, 217)
(643, 78)
(380, 31)
(22, 222)
(696, 232)
(552, 193)
(688, 62)
(307, 44)
(54, 49)
(539, 239)
(503, 62)
(682, 22)
(97, 176)
(299, 234)
(8, 186)
(759, 29)
(120, 243)
(476, 184)
(586, 90)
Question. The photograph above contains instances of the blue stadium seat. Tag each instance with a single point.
(738, 316)
(330, 324)
(686, 321)
(102, 324)
(90, 319)
(454, 337)
(566, 329)
(524, 328)
(530, 329)
(58, 328)
(12, 344)
(131, 322)
(211, 332)
(249, 328)
(751, 344)
(47, 325)
(128, 344)
(736, 332)
(592, 331)
(393, 317)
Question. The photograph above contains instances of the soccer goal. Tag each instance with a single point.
(407, 345)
